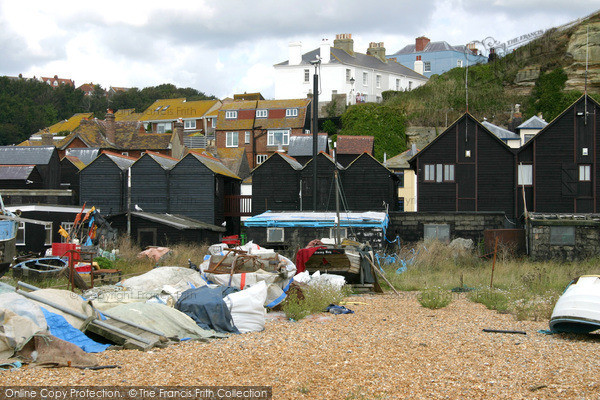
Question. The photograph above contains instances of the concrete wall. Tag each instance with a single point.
(409, 226)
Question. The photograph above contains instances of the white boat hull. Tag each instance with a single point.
(578, 309)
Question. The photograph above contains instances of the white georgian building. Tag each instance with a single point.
(361, 77)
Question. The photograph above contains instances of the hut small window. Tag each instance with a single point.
(585, 172)
(449, 173)
(438, 172)
(21, 234)
(343, 232)
(275, 235)
(429, 173)
(440, 232)
(525, 175)
(48, 233)
(562, 235)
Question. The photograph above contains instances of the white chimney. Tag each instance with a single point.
(325, 51)
(295, 53)
(418, 65)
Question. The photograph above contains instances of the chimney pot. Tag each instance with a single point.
(344, 42)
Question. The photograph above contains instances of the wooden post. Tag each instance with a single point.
(494, 262)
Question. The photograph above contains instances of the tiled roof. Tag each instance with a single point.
(129, 135)
(347, 144)
(401, 160)
(75, 161)
(15, 172)
(431, 47)
(534, 122)
(232, 157)
(264, 123)
(127, 114)
(339, 56)
(501, 133)
(20, 155)
(172, 109)
(67, 125)
(85, 155)
(86, 87)
(302, 145)
(214, 165)
(165, 161)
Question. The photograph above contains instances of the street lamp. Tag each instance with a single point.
(352, 80)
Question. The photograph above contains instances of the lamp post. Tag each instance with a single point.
(352, 91)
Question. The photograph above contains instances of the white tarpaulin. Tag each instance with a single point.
(177, 279)
(20, 319)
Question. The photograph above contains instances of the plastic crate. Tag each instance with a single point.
(62, 249)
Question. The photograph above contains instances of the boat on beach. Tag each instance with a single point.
(578, 308)
(40, 268)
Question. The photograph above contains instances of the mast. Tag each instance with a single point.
(337, 196)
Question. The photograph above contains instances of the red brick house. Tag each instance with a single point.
(262, 127)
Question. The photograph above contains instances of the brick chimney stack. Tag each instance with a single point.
(344, 42)
(178, 149)
(111, 128)
(377, 50)
(420, 43)
(47, 138)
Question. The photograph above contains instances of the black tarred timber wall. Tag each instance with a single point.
(556, 154)
(192, 190)
(367, 185)
(149, 185)
(325, 184)
(69, 178)
(275, 186)
(165, 235)
(483, 181)
(103, 184)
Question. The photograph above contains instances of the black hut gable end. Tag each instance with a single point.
(276, 185)
(150, 182)
(368, 185)
(466, 168)
(561, 164)
(325, 185)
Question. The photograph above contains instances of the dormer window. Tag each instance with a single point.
(262, 113)
(291, 112)
(231, 114)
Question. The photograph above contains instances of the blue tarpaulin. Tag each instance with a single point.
(59, 327)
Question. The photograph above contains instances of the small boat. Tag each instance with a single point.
(578, 308)
(40, 268)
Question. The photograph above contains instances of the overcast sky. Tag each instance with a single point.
(222, 47)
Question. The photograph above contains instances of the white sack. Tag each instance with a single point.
(247, 308)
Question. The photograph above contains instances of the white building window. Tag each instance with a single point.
(397, 84)
(306, 75)
(459, 63)
(48, 233)
(278, 137)
(585, 173)
(378, 81)
(427, 66)
(262, 113)
(231, 114)
(21, 234)
(348, 75)
(190, 124)
(231, 139)
(525, 175)
(409, 85)
(247, 137)
(261, 158)
(291, 112)
(365, 78)
(213, 122)
(163, 127)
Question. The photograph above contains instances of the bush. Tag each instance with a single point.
(315, 300)
(434, 298)
(493, 299)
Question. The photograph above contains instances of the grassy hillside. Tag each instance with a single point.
(544, 76)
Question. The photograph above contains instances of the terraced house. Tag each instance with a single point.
(262, 127)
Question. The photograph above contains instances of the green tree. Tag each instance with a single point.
(386, 124)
